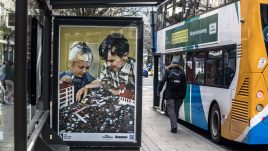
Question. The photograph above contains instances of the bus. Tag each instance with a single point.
(222, 46)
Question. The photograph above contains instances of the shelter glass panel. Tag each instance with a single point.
(7, 36)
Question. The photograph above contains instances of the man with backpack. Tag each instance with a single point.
(175, 90)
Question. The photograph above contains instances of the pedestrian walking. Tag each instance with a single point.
(175, 90)
(2, 82)
(9, 81)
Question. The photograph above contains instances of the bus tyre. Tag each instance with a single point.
(215, 124)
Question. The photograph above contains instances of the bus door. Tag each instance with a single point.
(160, 63)
(159, 67)
(157, 77)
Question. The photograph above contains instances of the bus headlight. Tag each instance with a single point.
(259, 107)
(259, 94)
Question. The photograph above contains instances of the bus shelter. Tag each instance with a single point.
(41, 43)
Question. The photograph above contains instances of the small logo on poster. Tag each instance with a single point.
(107, 136)
(121, 137)
(66, 136)
(131, 137)
(212, 28)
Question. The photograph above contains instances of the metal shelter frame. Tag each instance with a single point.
(103, 3)
(43, 134)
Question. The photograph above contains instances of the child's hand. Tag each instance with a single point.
(67, 79)
(81, 92)
(114, 91)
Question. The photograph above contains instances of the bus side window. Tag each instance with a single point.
(177, 11)
(215, 3)
(182, 58)
(188, 9)
(214, 68)
(160, 17)
(189, 68)
(168, 59)
(229, 66)
(201, 6)
(199, 67)
(229, 1)
(168, 14)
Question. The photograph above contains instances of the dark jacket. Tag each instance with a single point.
(9, 73)
(169, 94)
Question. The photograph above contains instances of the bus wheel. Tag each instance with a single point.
(215, 124)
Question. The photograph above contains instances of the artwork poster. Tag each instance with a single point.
(96, 83)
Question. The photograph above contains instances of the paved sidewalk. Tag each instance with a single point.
(156, 135)
(7, 127)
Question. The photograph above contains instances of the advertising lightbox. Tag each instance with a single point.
(97, 64)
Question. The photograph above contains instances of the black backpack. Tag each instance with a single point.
(175, 80)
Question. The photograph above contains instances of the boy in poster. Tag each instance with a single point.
(80, 59)
(117, 73)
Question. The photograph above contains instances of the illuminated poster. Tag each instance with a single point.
(97, 97)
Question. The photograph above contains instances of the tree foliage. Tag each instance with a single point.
(143, 12)
(8, 32)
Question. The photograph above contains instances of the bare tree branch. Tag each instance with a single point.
(144, 12)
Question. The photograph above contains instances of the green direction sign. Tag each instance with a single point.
(195, 31)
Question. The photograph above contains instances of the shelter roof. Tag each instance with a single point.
(102, 3)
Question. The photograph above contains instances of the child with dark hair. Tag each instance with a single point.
(80, 59)
(118, 69)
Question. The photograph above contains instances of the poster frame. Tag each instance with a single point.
(100, 21)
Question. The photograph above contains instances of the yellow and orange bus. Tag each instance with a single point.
(223, 46)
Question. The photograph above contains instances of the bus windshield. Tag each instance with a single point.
(264, 19)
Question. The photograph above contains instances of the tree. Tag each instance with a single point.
(8, 32)
(143, 12)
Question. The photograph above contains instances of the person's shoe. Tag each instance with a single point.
(173, 130)
(6, 101)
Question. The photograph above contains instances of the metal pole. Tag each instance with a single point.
(47, 61)
(20, 76)
(155, 79)
(156, 98)
(37, 131)
(8, 45)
